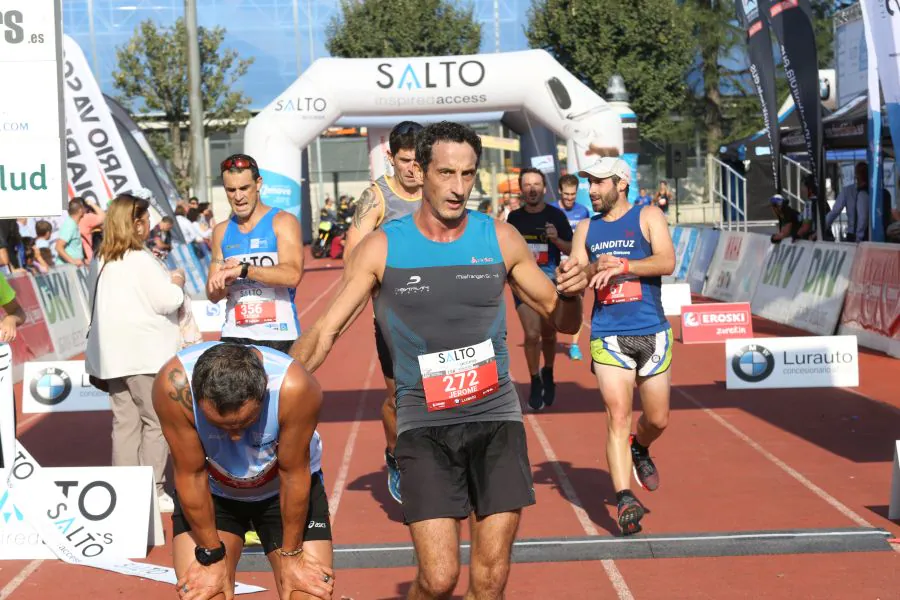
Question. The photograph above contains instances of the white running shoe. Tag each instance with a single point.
(166, 503)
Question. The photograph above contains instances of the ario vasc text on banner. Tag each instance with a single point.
(792, 362)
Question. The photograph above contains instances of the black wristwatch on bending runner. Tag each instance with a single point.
(207, 557)
(245, 269)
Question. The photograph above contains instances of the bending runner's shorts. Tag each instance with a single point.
(264, 516)
(280, 345)
(647, 354)
(451, 471)
(384, 353)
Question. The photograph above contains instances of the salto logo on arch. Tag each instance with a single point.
(431, 75)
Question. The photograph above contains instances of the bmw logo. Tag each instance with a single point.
(51, 386)
(753, 363)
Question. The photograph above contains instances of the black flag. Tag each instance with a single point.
(791, 20)
(762, 70)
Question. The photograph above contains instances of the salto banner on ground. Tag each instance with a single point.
(762, 71)
(32, 160)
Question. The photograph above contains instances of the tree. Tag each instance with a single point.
(642, 40)
(388, 28)
(152, 76)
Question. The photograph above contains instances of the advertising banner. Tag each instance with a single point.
(209, 317)
(96, 123)
(791, 20)
(33, 340)
(799, 362)
(674, 296)
(736, 266)
(762, 71)
(872, 305)
(32, 125)
(684, 251)
(60, 386)
(825, 280)
(7, 413)
(781, 276)
(702, 259)
(710, 323)
(882, 21)
(65, 310)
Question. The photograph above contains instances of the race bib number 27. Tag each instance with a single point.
(455, 377)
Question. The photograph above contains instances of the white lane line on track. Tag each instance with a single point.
(834, 502)
(612, 571)
(16, 581)
(338, 489)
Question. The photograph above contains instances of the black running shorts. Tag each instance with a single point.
(264, 517)
(280, 345)
(451, 471)
(384, 353)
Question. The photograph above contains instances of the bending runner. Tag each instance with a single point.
(575, 213)
(389, 198)
(439, 275)
(257, 263)
(631, 340)
(548, 234)
(224, 410)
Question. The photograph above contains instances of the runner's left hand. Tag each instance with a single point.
(571, 278)
(606, 267)
(307, 575)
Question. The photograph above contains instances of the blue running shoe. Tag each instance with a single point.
(393, 476)
(575, 352)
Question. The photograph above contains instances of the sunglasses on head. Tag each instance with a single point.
(239, 161)
(409, 128)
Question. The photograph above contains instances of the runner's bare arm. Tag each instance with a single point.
(298, 415)
(173, 402)
(289, 270)
(362, 277)
(215, 292)
(366, 218)
(579, 245)
(535, 289)
(662, 261)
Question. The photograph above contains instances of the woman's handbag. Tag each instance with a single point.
(100, 384)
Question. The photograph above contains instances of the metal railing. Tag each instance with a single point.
(792, 174)
(729, 192)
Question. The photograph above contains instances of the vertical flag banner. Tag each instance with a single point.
(882, 23)
(762, 70)
(791, 20)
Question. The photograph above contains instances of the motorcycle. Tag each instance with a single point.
(328, 232)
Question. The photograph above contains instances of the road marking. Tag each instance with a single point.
(16, 581)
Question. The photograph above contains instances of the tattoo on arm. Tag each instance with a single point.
(367, 201)
(182, 389)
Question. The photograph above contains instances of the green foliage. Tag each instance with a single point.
(388, 28)
(152, 77)
(645, 41)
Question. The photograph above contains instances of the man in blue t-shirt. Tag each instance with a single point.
(568, 188)
(644, 199)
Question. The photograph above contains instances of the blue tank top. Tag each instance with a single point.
(630, 305)
(441, 308)
(246, 470)
(575, 216)
(255, 310)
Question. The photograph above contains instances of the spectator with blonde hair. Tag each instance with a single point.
(134, 331)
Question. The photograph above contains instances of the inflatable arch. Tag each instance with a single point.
(333, 88)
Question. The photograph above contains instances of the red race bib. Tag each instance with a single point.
(621, 289)
(455, 377)
(541, 253)
(254, 313)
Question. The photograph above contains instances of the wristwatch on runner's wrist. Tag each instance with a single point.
(207, 557)
(245, 268)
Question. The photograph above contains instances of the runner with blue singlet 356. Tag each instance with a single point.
(630, 249)
(575, 213)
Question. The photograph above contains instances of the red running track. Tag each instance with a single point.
(730, 461)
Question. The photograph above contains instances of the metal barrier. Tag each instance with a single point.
(729, 191)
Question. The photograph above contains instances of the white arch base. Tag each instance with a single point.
(336, 88)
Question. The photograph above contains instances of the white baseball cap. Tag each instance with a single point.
(607, 167)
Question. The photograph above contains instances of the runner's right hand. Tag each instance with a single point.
(204, 583)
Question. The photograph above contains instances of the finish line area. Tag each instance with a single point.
(779, 494)
(752, 543)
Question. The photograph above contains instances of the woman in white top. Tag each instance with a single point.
(134, 332)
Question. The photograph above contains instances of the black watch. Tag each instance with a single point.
(245, 269)
(207, 557)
